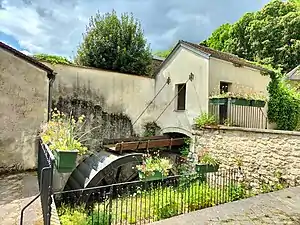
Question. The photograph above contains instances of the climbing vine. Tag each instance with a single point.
(284, 103)
(53, 59)
(151, 129)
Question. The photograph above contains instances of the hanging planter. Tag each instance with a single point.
(156, 175)
(65, 161)
(206, 168)
(240, 101)
(218, 101)
(258, 103)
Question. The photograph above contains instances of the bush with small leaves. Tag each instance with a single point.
(167, 210)
(205, 119)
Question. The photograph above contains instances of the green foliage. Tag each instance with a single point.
(116, 44)
(205, 119)
(71, 216)
(99, 218)
(157, 203)
(185, 149)
(241, 95)
(167, 210)
(237, 192)
(53, 59)
(275, 185)
(151, 129)
(219, 37)
(63, 132)
(164, 53)
(284, 104)
(206, 158)
(269, 36)
(79, 215)
(152, 164)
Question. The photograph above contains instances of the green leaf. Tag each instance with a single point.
(115, 43)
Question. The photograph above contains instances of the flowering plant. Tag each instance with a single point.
(246, 96)
(206, 158)
(152, 164)
(240, 92)
(63, 132)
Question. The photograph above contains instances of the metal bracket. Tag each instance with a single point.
(168, 80)
(191, 77)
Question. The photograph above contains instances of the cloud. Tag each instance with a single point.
(56, 26)
(26, 52)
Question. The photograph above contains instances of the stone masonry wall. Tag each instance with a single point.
(263, 155)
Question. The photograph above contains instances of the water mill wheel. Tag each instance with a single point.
(103, 168)
(114, 165)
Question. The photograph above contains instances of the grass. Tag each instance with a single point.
(151, 205)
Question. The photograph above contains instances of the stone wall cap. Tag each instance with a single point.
(253, 130)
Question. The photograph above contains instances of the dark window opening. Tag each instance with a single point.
(181, 95)
(223, 109)
(224, 87)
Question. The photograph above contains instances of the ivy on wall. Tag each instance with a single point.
(284, 103)
(151, 129)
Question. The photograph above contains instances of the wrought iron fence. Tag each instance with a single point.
(239, 116)
(45, 177)
(141, 202)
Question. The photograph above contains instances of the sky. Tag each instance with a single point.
(56, 26)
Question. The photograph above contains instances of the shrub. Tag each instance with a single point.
(205, 158)
(205, 119)
(200, 196)
(53, 59)
(185, 149)
(151, 164)
(151, 129)
(70, 216)
(168, 210)
(237, 192)
(99, 218)
(284, 104)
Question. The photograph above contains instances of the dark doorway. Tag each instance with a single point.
(223, 109)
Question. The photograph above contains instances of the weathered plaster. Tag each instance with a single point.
(23, 98)
(110, 101)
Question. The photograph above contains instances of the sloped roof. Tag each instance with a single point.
(155, 57)
(294, 74)
(27, 58)
(208, 52)
(224, 56)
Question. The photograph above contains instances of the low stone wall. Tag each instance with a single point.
(263, 155)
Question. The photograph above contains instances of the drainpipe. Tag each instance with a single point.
(51, 77)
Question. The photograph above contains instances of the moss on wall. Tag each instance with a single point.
(102, 123)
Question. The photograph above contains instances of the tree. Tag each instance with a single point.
(163, 53)
(219, 37)
(270, 36)
(116, 44)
